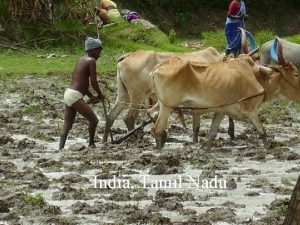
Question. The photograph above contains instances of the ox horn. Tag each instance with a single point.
(281, 60)
(265, 70)
(253, 52)
(244, 47)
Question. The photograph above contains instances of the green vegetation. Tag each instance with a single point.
(216, 39)
(57, 53)
(172, 36)
(294, 38)
(274, 112)
(34, 199)
(263, 36)
(54, 49)
(35, 111)
(14, 63)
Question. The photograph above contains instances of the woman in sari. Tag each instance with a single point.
(236, 18)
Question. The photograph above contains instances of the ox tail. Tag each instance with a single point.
(124, 57)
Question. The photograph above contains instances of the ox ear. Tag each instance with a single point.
(281, 60)
(265, 70)
(276, 52)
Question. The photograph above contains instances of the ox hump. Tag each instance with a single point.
(170, 66)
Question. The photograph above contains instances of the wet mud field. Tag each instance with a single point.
(237, 182)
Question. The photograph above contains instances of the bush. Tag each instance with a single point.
(262, 37)
(124, 32)
(294, 38)
(172, 36)
(214, 39)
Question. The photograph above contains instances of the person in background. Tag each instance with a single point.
(235, 18)
(83, 74)
(108, 12)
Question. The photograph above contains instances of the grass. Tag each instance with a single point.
(34, 110)
(117, 40)
(34, 199)
(216, 39)
(16, 64)
(274, 112)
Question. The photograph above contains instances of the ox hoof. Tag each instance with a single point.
(195, 140)
(159, 145)
(104, 140)
(231, 129)
(208, 148)
(161, 140)
(231, 135)
(267, 146)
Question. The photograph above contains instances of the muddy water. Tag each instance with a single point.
(237, 182)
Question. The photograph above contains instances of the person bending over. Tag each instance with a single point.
(83, 74)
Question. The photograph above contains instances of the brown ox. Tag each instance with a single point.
(134, 83)
(230, 88)
(281, 84)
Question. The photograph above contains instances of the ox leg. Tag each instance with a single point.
(231, 128)
(131, 116)
(196, 125)
(153, 112)
(160, 125)
(215, 124)
(181, 117)
(261, 130)
(111, 117)
(119, 105)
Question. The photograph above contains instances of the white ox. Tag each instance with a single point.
(134, 83)
(231, 88)
(290, 51)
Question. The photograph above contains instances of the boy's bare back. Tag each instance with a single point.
(81, 74)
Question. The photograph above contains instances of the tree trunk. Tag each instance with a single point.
(293, 213)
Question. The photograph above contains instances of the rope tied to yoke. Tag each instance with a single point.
(222, 105)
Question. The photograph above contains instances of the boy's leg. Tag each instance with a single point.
(83, 109)
(69, 117)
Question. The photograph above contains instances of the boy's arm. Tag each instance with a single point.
(93, 77)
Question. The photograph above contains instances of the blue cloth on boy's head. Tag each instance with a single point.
(92, 43)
